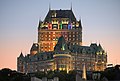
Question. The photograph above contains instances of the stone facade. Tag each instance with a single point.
(60, 47)
(58, 23)
(64, 58)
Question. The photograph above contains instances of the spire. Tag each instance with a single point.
(71, 6)
(21, 55)
(100, 47)
(39, 23)
(40, 19)
(49, 7)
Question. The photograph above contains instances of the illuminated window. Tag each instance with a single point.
(77, 25)
(54, 39)
(73, 25)
(73, 35)
(54, 14)
(54, 35)
(45, 35)
(65, 35)
(101, 53)
(54, 26)
(45, 38)
(53, 32)
(53, 43)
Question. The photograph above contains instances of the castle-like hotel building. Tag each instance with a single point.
(60, 47)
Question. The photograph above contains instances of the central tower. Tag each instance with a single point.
(58, 23)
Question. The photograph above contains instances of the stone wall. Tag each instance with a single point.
(44, 79)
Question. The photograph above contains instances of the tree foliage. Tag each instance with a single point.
(7, 74)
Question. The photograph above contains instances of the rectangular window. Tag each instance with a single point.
(54, 26)
(69, 35)
(73, 35)
(64, 26)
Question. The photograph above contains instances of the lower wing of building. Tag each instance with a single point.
(64, 57)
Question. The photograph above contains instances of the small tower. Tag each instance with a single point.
(20, 63)
(34, 49)
(61, 45)
(101, 58)
(21, 55)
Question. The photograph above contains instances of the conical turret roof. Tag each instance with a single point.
(61, 45)
(34, 47)
(21, 55)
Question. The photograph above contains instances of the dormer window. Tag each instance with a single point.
(54, 14)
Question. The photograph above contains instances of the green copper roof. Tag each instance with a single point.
(61, 45)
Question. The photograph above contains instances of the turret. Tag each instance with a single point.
(20, 61)
(21, 55)
(61, 45)
(34, 49)
(101, 58)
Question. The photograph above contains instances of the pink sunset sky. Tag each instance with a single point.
(19, 22)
